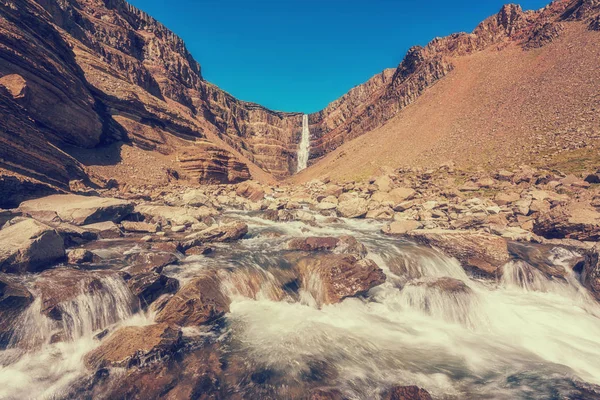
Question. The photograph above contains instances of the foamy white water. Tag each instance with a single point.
(304, 149)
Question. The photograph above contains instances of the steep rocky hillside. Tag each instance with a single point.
(511, 30)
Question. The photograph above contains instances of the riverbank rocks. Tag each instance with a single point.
(406, 393)
(577, 220)
(77, 210)
(477, 251)
(105, 230)
(135, 345)
(14, 299)
(29, 246)
(139, 227)
(80, 256)
(590, 276)
(330, 278)
(198, 302)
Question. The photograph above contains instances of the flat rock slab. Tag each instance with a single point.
(29, 246)
(477, 251)
(77, 210)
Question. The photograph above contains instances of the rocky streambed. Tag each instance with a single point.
(312, 292)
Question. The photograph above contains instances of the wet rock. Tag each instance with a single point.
(406, 393)
(477, 251)
(139, 227)
(541, 257)
(135, 345)
(105, 230)
(446, 285)
(175, 215)
(221, 233)
(198, 302)
(250, 190)
(14, 299)
(577, 220)
(77, 210)
(341, 245)
(144, 262)
(326, 394)
(61, 285)
(80, 256)
(199, 251)
(354, 208)
(590, 276)
(401, 227)
(332, 277)
(29, 246)
(150, 286)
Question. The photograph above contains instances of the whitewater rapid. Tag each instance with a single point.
(514, 338)
(304, 148)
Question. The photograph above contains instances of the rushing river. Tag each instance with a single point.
(513, 338)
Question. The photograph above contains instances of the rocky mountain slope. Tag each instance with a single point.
(92, 90)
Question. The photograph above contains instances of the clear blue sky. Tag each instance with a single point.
(299, 55)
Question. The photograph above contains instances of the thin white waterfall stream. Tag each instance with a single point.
(304, 149)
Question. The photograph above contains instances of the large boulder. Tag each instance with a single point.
(332, 277)
(477, 251)
(29, 246)
(198, 302)
(14, 299)
(77, 210)
(353, 208)
(135, 345)
(577, 220)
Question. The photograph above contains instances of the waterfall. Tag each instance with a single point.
(304, 149)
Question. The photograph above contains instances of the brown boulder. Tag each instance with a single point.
(80, 256)
(477, 251)
(198, 302)
(332, 277)
(406, 393)
(77, 210)
(353, 208)
(105, 230)
(250, 190)
(135, 345)
(29, 246)
(150, 286)
(400, 227)
(149, 262)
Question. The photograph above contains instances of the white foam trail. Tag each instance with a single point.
(304, 149)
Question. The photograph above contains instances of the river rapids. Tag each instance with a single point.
(522, 336)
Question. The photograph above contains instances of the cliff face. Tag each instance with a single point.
(87, 73)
